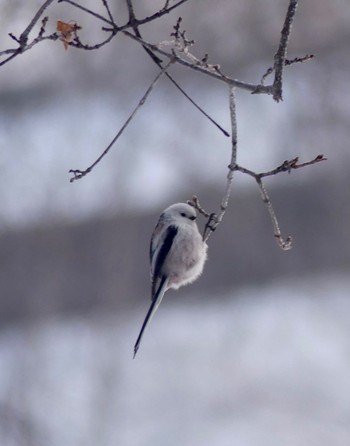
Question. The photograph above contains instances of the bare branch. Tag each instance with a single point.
(77, 173)
(281, 53)
(165, 10)
(305, 58)
(134, 23)
(15, 52)
(196, 105)
(199, 65)
(160, 13)
(195, 203)
(253, 88)
(232, 165)
(180, 51)
(158, 61)
(131, 11)
(108, 9)
(283, 244)
(288, 62)
(77, 43)
(43, 25)
(24, 36)
(215, 219)
(286, 166)
(88, 11)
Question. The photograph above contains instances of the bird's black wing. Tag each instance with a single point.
(156, 232)
(161, 256)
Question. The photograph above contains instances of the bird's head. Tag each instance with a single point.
(181, 212)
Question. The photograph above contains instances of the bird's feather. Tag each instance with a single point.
(165, 247)
(153, 308)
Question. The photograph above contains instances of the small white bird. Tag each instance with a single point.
(177, 253)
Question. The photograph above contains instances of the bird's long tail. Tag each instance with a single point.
(153, 308)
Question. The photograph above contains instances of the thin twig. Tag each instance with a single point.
(280, 56)
(24, 36)
(16, 52)
(158, 61)
(215, 219)
(131, 11)
(151, 18)
(253, 88)
(288, 62)
(231, 167)
(286, 166)
(77, 43)
(198, 107)
(89, 11)
(195, 203)
(13, 55)
(160, 13)
(108, 9)
(77, 173)
(283, 244)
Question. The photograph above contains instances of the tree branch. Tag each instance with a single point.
(165, 10)
(77, 173)
(106, 5)
(24, 36)
(214, 219)
(280, 56)
(16, 51)
(158, 61)
(283, 244)
(77, 43)
(89, 11)
(286, 166)
(180, 52)
(288, 62)
(205, 69)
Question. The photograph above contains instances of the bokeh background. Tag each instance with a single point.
(256, 352)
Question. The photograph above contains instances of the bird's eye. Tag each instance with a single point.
(183, 214)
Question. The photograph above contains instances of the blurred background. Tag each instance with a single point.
(257, 351)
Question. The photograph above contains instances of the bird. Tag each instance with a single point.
(177, 255)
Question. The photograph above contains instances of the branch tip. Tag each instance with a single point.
(194, 202)
(285, 245)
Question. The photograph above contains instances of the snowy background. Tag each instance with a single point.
(271, 366)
